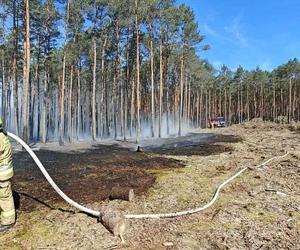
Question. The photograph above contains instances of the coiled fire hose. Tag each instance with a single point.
(131, 216)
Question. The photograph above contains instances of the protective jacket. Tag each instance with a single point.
(6, 168)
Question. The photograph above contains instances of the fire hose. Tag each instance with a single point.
(131, 216)
(50, 180)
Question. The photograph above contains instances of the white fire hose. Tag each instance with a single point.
(131, 216)
(50, 180)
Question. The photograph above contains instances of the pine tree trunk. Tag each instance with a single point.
(132, 110)
(107, 130)
(94, 90)
(176, 104)
(197, 111)
(212, 101)
(206, 108)
(220, 103)
(261, 101)
(62, 99)
(152, 82)
(274, 103)
(32, 97)
(3, 91)
(138, 127)
(70, 124)
(78, 129)
(15, 75)
(168, 113)
(185, 99)
(126, 84)
(43, 128)
(9, 100)
(33, 94)
(125, 110)
(44, 108)
(230, 108)
(26, 70)
(62, 102)
(57, 107)
(238, 107)
(255, 101)
(225, 104)
(99, 109)
(160, 87)
(181, 91)
(189, 105)
(281, 102)
(242, 106)
(294, 103)
(247, 101)
(290, 101)
(116, 80)
(103, 85)
(200, 106)
(209, 104)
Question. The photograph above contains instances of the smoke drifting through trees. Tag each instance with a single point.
(112, 68)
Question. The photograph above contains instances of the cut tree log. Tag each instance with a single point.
(119, 193)
(113, 220)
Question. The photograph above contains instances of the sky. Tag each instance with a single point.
(250, 33)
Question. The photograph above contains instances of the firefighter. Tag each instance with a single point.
(7, 206)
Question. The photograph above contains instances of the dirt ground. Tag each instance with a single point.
(258, 210)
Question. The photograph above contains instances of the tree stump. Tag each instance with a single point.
(119, 193)
(139, 149)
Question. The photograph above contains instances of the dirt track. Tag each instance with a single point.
(170, 175)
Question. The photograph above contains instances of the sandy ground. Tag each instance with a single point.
(258, 210)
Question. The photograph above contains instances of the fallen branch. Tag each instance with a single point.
(275, 191)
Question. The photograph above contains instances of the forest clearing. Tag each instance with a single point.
(260, 209)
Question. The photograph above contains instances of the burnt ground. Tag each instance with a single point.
(101, 167)
(86, 175)
(169, 175)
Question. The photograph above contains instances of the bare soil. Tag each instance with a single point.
(258, 210)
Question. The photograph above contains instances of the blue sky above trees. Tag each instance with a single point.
(263, 33)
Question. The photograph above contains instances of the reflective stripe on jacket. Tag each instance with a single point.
(6, 172)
